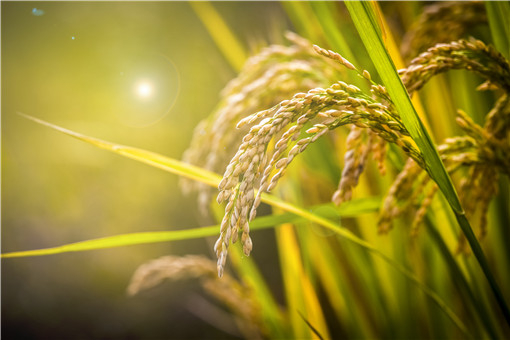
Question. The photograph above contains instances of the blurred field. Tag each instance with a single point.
(79, 65)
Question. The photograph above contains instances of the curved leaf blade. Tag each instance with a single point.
(365, 20)
(179, 168)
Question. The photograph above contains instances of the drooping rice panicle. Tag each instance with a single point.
(423, 207)
(472, 55)
(275, 135)
(276, 73)
(379, 152)
(401, 188)
(358, 145)
(259, 164)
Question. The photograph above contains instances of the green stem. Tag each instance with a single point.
(345, 233)
(498, 13)
(484, 264)
(366, 21)
(462, 283)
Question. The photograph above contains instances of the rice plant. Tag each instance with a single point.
(389, 210)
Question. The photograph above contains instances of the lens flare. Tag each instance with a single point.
(144, 90)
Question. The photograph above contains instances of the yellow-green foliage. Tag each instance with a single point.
(303, 120)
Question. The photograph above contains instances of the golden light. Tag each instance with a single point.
(144, 90)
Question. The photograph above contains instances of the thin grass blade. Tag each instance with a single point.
(366, 22)
(365, 19)
(498, 13)
(273, 316)
(300, 294)
(151, 158)
(223, 36)
(314, 330)
(188, 171)
(355, 208)
(120, 241)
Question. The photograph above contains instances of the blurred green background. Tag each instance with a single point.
(140, 74)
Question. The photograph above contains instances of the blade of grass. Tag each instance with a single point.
(498, 13)
(308, 25)
(120, 241)
(196, 173)
(314, 330)
(300, 294)
(272, 313)
(461, 281)
(259, 223)
(366, 22)
(151, 158)
(222, 35)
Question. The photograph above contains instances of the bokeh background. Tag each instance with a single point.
(135, 73)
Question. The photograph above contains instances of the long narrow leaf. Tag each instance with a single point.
(498, 13)
(355, 208)
(365, 19)
(300, 294)
(120, 241)
(151, 158)
(222, 35)
(273, 316)
(177, 167)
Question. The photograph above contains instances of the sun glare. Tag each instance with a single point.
(144, 90)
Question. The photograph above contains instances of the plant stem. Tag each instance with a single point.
(366, 22)
(482, 260)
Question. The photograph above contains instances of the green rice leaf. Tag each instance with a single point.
(273, 316)
(192, 172)
(365, 19)
(151, 158)
(356, 208)
(231, 48)
(498, 13)
(120, 241)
